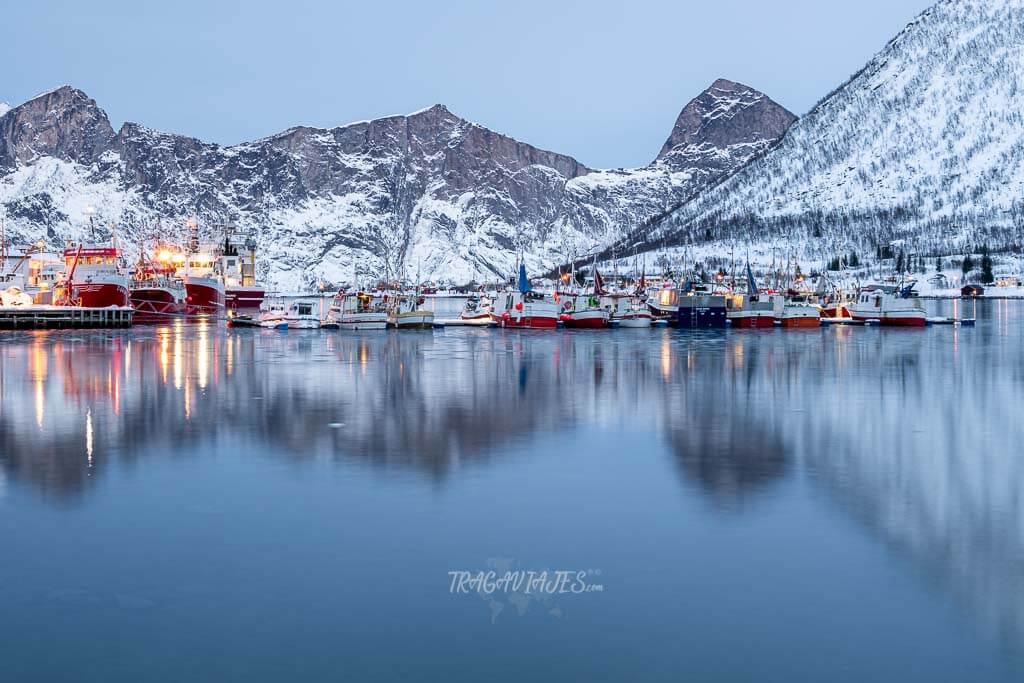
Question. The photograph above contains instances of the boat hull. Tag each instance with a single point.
(415, 320)
(752, 321)
(586, 320)
(205, 297)
(101, 293)
(363, 321)
(891, 320)
(302, 324)
(244, 300)
(154, 305)
(797, 322)
(712, 317)
(527, 322)
(635, 321)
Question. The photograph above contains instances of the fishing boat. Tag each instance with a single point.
(630, 312)
(302, 315)
(94, 277)
(272, 313)
(701, 308)
(664, 304)
(156, 294)
(584, 312)
(157, 299)
(524, 308)
(477, 311)
(889, 305)
(357, 311)
(237, 265)
(796, 310)
(753, 310)
(406, 312)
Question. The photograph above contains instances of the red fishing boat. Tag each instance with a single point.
(157, 295)
(753, 311)
(237, 261)
(94, 277)
(525, 308)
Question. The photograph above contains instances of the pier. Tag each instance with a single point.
(63, 317)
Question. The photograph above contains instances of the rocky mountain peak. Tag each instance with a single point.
(726, 114)
(64, 123)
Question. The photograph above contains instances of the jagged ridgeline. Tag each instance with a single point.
(428, 195)
(924, 144)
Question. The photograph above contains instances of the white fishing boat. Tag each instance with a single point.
(796, 310)
(629, 311)
(477, 311)
(357, 311)
(302, 315)
(406, 312)
(272, 312)
(889, 305)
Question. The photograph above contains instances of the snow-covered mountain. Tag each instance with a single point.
(428, 195)
(925, 144)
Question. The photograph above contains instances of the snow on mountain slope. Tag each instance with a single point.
(926, 144)
(428, 195)
(4, 108)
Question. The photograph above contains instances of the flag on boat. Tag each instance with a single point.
(598, 283)
(524, 282)
(641, 285)
(751, 282)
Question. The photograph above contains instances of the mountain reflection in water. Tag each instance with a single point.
(914, 434)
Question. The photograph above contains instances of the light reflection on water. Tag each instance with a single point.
(908, 438)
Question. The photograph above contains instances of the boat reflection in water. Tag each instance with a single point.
(912, 434)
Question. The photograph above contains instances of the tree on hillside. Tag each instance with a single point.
(986, 267)
(938, 264)
(967, 265)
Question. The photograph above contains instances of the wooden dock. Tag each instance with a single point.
(63, 317)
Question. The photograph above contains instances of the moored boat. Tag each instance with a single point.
(357, 311)
(237, 264)
(630, 312)
(797, 310)
(889, 305)
(524, 308)
(156, 294)
(406, 312)
(158, 299)
(302, 315)
(700, 308)
(94, 277)
(477, 311)
(272, 313)
(753, 310)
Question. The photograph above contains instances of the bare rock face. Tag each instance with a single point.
(65, 124)
(428, 195)
(725, 115)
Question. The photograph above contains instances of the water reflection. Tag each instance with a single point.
(914, 433)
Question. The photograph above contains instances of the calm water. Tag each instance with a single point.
(199, 504)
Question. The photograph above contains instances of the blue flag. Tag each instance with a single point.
(524, 282)
(751, 282)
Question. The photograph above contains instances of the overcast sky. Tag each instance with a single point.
(600, 80)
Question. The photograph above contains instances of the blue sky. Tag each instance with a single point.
(600, 80)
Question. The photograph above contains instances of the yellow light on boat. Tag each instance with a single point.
(179, 258)
(165, 255)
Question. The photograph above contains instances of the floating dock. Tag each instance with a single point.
(64, 317)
